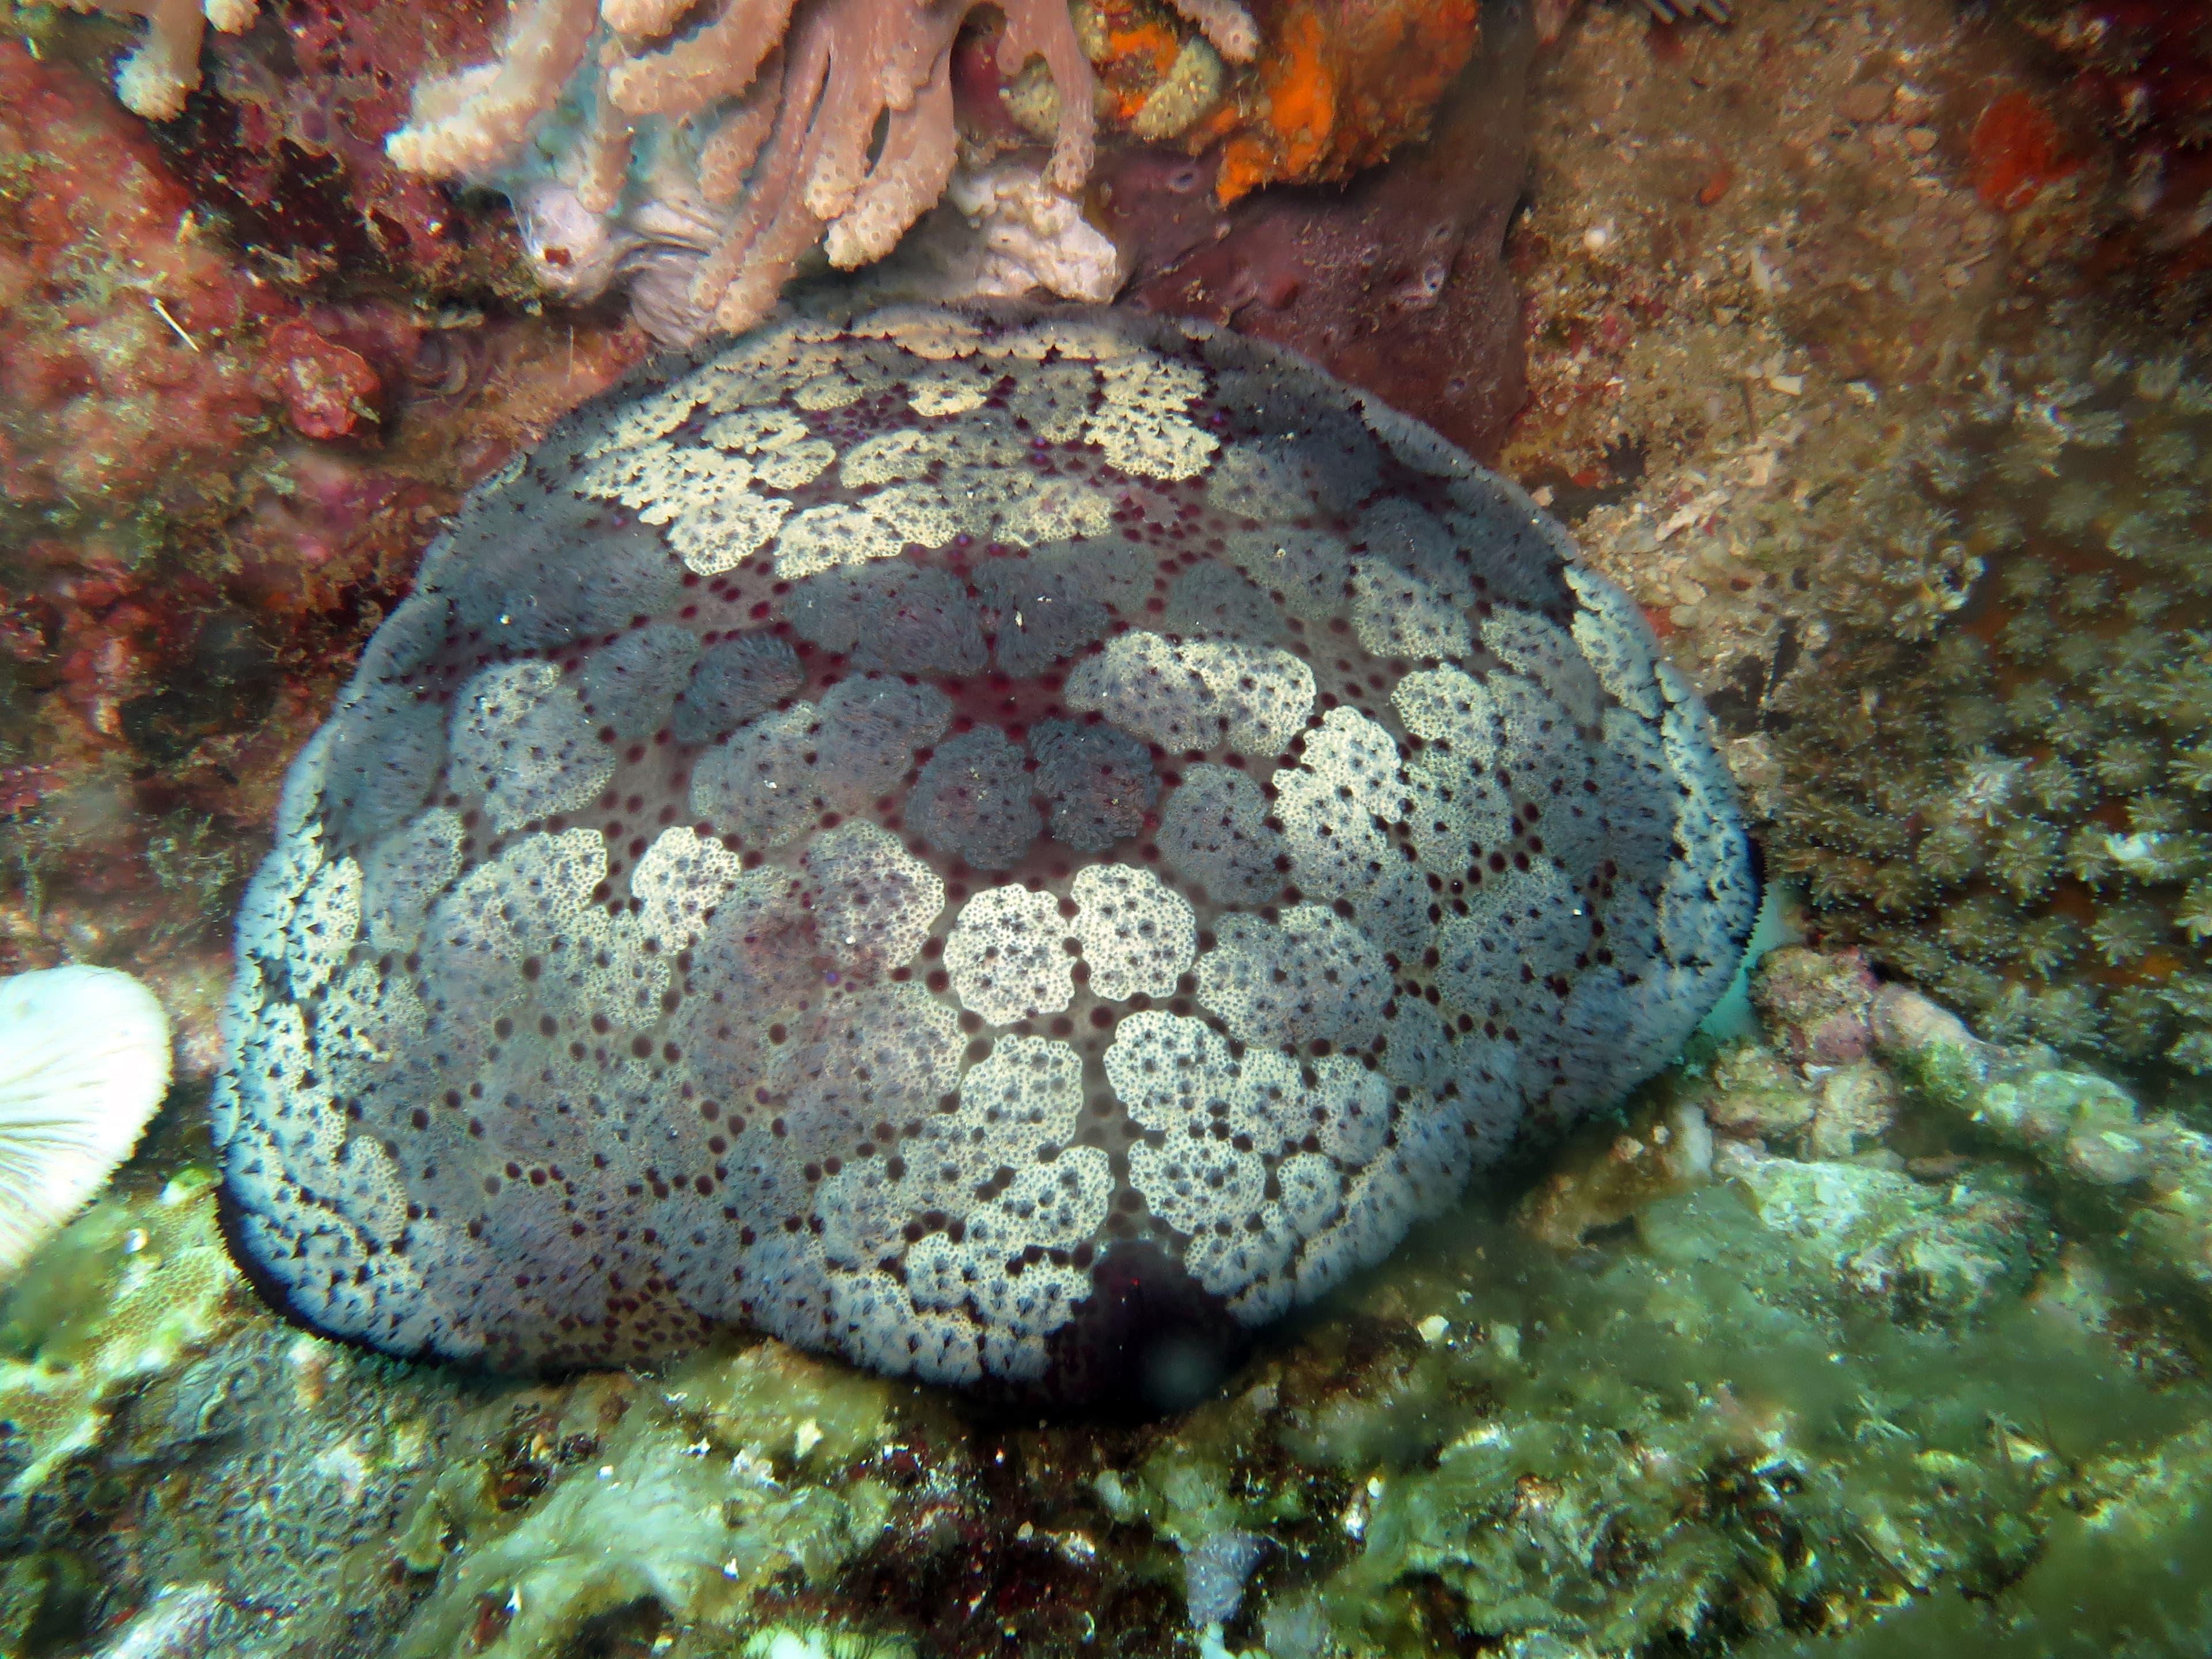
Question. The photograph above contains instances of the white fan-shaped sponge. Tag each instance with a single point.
(84, 1061)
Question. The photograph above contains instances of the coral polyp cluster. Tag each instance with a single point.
(2014, 809)
(988, 844)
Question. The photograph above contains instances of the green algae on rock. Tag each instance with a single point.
(1725, 1430)
(2119, 1572)
(1782, 1408)
(683, 1501)
(2143, 1182)
(130, 1291)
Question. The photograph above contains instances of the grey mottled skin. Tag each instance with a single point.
(873, 833)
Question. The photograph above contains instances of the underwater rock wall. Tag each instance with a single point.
(664, 173)
(104, 402)
(1397, 282)
(2139, 77)
(210, 492)
(1842, 531)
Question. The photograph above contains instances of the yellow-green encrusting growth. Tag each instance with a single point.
(128, 1290)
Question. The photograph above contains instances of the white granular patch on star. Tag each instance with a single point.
(1142, 425)
(1311, 977)
(784, 450)
(1138, 935)
(1547, 654)
(1196, 694)
(323, 926)
(1250, 484)
(1007, 956)
(1169, 1069)
(522, 741)
(874, 902)
(893, 457)
(1445, 705)
(1396, 614)
(1059, 509)
(878, 526)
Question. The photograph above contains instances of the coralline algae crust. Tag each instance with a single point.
(973, 841)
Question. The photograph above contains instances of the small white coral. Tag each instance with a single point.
(1226, 25)
(84, 1060)
(153, 81)
(781, 1642)
(1029, 235)
(704, 164)
(181, 1622)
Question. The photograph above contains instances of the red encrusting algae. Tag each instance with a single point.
(126, 331)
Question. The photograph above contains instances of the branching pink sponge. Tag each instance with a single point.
(990, 843)
(696, 155)
(165, 67)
